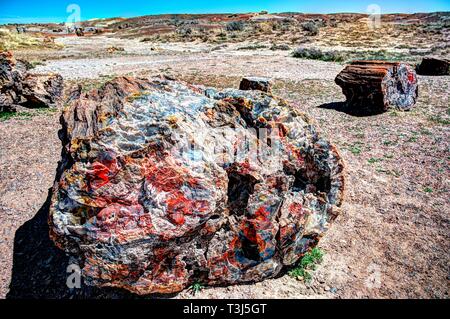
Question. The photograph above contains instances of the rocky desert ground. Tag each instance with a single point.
(392, 238)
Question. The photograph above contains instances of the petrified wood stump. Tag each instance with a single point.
(162, 184)
(434, 66)
(374, 86)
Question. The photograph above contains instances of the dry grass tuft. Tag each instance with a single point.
(14, 41)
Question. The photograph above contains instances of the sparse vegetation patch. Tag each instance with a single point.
(317, 54)
(303, 271)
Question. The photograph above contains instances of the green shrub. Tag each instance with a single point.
(311, 28)
(196, 287)
(184, 31)
(317, 54)
(235, 26)
(281, 47)
(253, 47)
(308, 263)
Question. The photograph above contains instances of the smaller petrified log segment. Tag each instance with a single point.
(434, 66)
(43, 90)
(18, 87)
(374, 86)
(79, 32)
(255, 83)
(10, 82)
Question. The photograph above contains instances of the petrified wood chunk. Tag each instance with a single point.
(374, 86)
(434, 66)
(42, 90)
(79, 32)
(255, 83)
(10, 82)
(18, 87)
(162, 184)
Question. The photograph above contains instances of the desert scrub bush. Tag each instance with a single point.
(12, 41)
(281, 47)
(317, 54)
(307, 264)
(355, 148)
(222, 36)
(374, 160)
(26, 115)
(253, 47)
(184, 31)
(379, 55)
(333, 23)
(264, 27)
(147, 39)
(33, 64)
(196, 287)
(6, 115)
(438, 119)
(311, 28)
(235, 26)
(428, 190)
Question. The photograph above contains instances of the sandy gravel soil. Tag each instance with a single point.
(391, 241)
(180, 58)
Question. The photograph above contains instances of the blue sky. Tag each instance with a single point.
(12, 11)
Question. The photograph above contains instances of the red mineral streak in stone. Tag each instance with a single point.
(123, 221)
(170, 179)
(243, 168)
(296, 208)
(101, 173)
(262, 213)
(292, 150)
(178, 206)
(411, 77)
(230, 255)
(282, 130)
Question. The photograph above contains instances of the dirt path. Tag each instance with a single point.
(392, 239)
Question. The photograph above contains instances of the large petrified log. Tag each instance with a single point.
(18, 87)
(434, 66)
(162, 184)
(374, 86)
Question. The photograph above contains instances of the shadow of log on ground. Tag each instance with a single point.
(344, 108)
(40, 268)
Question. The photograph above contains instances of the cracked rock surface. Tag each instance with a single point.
(18, 87)
(162, 184)
(11, 79)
